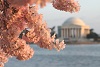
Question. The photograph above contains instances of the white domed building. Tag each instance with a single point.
(73, 28)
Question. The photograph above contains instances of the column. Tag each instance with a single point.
(68, 33)
(79, 32)
(73, 32)
(62, 33)
(76, 32)
(65, 32)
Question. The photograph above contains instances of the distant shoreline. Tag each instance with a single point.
(81, 43)
(77, 43)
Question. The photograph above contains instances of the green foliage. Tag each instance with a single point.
(92, 35)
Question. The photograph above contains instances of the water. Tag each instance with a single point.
(71, 56)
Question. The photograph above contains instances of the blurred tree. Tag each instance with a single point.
(53, 32)
(92, 35)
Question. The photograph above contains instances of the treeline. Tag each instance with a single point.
(93, 35)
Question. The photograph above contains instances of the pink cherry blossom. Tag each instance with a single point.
(16, 16)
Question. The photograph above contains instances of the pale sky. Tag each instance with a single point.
(89, 13)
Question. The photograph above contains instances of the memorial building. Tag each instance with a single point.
(73, 28)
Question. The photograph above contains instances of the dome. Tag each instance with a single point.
(73, 21)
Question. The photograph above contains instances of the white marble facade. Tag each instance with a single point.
(74, 28)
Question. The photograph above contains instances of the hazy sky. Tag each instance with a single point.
(89, 13)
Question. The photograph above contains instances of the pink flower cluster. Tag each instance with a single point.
(16, 16)
(17, 3)
(3, 58)
(66, 5)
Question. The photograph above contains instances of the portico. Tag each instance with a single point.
(74, 28)
(71, 32)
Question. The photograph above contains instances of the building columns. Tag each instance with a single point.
(71, 32)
